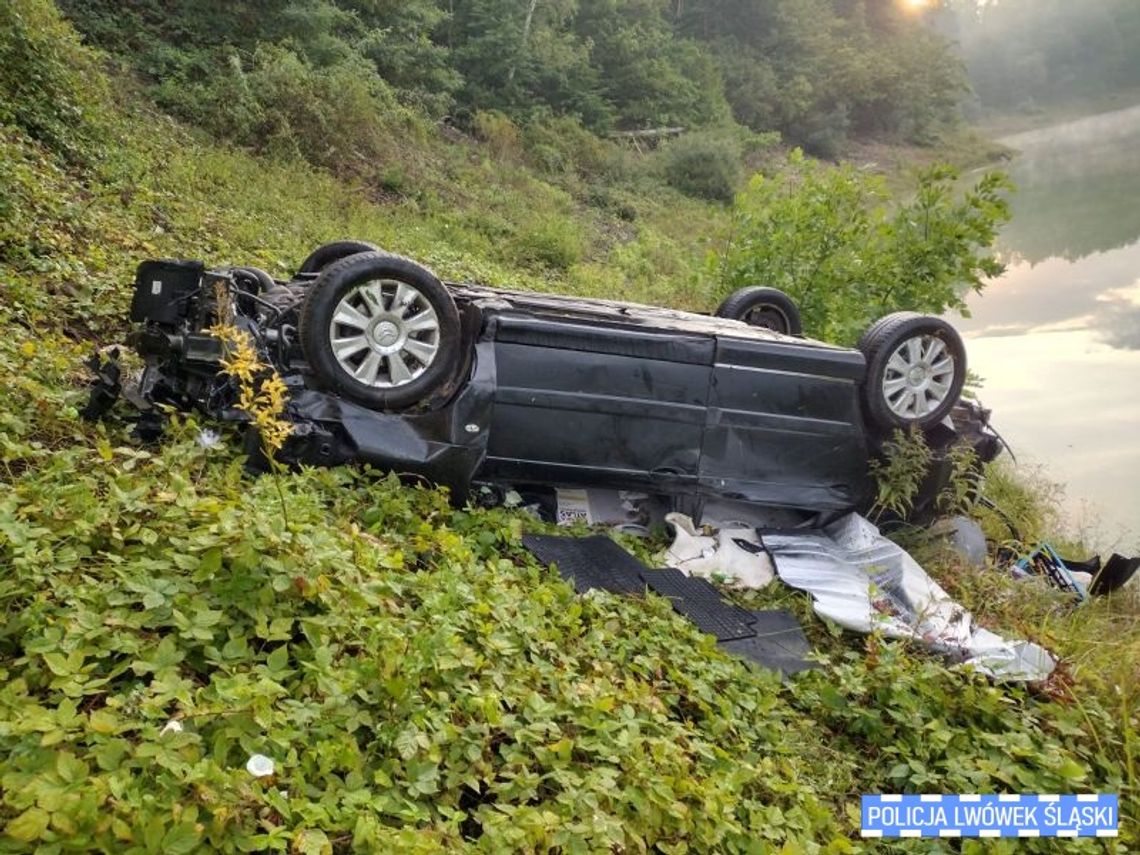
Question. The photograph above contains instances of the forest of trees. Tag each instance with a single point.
(1024, 54)
(816, 71)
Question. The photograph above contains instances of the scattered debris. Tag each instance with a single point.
(260, 766)
(779, 643)
(733, 555)
(964, 537)
(595, 507)
(1044, 561)
(1116, 573)
(858, 578)
(1081, 578)
(589, 562)
(702, 604)
(107, 387)
(864, 582)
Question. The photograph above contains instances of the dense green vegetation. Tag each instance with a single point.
(1031, 54)
(420, 683)
(314, 74)
(827, 237)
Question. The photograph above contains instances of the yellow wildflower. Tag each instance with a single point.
(263, 393)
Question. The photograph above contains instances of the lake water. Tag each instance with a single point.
(1057, 337)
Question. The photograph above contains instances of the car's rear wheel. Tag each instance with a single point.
(916, 366)
(758, 306)
(381, 330)
(323, 256)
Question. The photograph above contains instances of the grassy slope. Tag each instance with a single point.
(419, 681)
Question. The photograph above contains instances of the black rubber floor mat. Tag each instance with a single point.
(779, 643)
(773, 639)
(699, 601)
(590, 562)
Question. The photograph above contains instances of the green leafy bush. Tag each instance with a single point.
(607, 199)
(498, 132)
(900, 473)
(823, 134)
(49, 83)
(563, 145)
(340, 117)
(847, 253)
(704, 165)
(550, 243)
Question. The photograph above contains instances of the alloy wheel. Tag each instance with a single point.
(384, 333)
(918, 377)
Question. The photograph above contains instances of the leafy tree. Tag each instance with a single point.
(408, 40)
(751, 84)
(649, 75)
(520, 56)
(831, 238)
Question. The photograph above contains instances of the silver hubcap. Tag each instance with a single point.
(384, 333)
(918, 377)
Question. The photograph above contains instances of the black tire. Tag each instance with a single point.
(896, 398)
(758, 306)
(339, 287)
(253, 280)
(323, 256)
(250, 281)
(873, 330)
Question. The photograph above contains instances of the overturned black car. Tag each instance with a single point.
(467, 385)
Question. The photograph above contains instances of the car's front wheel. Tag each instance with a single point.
(381, 330)
(916, 366)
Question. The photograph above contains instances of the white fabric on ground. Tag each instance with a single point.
(732, 555)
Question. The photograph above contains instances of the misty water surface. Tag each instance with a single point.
(1057, 337)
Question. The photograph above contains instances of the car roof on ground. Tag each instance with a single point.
(619, 312)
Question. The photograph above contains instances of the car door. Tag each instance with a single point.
(587, 403)
(784, 425)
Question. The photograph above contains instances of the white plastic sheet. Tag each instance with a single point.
(864, 582)
(861, 581)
